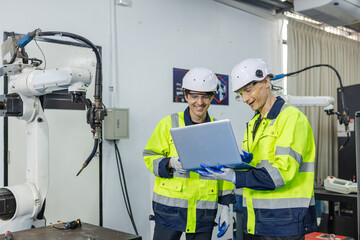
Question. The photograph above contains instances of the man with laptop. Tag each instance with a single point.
(184, 201)
(279, 191)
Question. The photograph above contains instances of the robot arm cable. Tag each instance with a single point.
(98, 112)
(98, 75)
(344, 116)
(96, 143)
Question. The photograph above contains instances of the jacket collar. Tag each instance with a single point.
(187, 117)
(275, 109)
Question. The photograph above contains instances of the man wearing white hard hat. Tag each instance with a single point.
(278, 192)
(184, 201)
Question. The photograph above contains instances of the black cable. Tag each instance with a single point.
(92, 154)
(39, 61)
(98, 73)
(97, 115)
(344, 117)
(124, 186)
(73, 36)
(275, 87)
(337, 74)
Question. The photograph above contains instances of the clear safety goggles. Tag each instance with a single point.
(203, 96)
(246, 90)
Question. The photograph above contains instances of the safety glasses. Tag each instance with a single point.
(246, 90)
(203, 96)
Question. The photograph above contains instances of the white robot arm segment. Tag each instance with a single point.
(310, 101)
(41, 82)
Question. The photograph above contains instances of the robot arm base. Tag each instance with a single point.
(7, 204)
(11, 105)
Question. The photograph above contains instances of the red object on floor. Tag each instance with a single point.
(9, 236)
(325, 236)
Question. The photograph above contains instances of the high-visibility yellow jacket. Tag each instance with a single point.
(279, 192)
(182, 202)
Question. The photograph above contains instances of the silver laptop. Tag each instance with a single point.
(211, 143)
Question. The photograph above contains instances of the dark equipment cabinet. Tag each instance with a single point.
(342, 223)
(345, 221)
(347, 162)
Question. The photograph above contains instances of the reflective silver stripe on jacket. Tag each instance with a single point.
(275, 176)
(179, 175)
(282, 203)
(284, 106)
(149, 153)
(171, 202)
(289, 151)
(307, 167)
(183, 203)
(174, 120)
(156, 162)
(206, 205)
(187, 175)
(205, 178)
(225, 192)
(239, 191)
(272, 122)
(273, 172)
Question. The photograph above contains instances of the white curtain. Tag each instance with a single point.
(308, 46)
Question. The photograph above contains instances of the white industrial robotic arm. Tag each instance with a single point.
(22, 203)
(33, 83)
(28, 86)
(311, 101)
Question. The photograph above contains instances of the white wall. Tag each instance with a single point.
(152, 38)
(155, 36)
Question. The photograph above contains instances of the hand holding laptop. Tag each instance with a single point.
(176, 164)
(222, 172)
(218, 172)
(246, 156)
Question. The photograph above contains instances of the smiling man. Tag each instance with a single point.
(184, 201)
(278, 192)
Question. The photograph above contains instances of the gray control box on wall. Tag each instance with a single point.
(116, 124)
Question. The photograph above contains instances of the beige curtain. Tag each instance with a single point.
(308, 46)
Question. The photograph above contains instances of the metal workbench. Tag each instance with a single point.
(331, 198)
(85, 232)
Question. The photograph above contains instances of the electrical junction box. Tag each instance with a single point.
(116, 124)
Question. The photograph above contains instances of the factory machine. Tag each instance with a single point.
(27, 81)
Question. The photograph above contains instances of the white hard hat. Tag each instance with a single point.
(200, 79)
(248, 70)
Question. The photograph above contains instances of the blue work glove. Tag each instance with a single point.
(246, 156)
(176, 164)
(220, 172)
(224, 221)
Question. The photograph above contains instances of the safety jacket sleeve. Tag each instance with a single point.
(255, 178)
(156, 152)
(290, 145)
